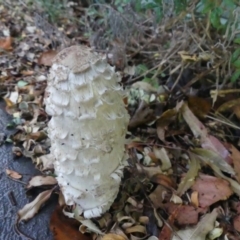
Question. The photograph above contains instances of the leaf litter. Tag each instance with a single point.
(183, 134)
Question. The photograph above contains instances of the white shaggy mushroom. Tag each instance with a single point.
(87, 129)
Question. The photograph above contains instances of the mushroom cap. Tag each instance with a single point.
(77, 58)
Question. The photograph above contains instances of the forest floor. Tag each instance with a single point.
(181, 76)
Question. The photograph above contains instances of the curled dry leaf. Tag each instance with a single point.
(32, 208)
(176, 199)
(229, 105)
(163, 180)
(211, 189)
(89, 227)
(134, 203)
(136, 230)
(189, 179)
(46, 161)
(13, 174)
(162, 154)
(112, 236)
(194, 199)
(200, 231)
(38, 181)
(125, 221)
(17, 151)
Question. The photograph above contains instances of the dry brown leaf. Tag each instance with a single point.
(212, 143)
(27, 73)
(234, 185)
(229, 105)
(199, 106)
(149, 171)
(32, 208)
(163, 180)
(144, 114)
(236, 222)
(8, 102)
(236, 110)
(211, 190)
(166, 233)
(157, 196)
(184, 214)
(65, 228)
(199, 232)
(46, 58)
(13, 174)
(61, 200)
(167, 117)
(6, 43)
(189, 179)
(37, 136)
(199, 130)
(235, 155)
(38, 181)
(211, 157)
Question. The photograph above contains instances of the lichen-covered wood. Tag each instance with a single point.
(87, 129)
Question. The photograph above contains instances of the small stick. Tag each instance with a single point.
(12, 198)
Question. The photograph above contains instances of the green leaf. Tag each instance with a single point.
(237, 63)
(229, 4)
(141, 68)
(235, 55)
(151, 81)
(215, 18)
(22, 83)
(236, 40)
(235, 76)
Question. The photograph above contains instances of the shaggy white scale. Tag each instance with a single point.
(87, 129)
